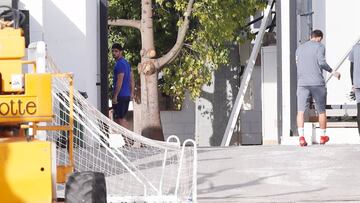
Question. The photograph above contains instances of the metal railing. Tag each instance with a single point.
(342, 60)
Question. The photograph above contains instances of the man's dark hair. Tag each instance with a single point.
(317, 33)
(117, 46)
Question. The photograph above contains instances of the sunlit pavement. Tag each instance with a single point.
(279, 174)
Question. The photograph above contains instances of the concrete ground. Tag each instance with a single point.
(329, 173)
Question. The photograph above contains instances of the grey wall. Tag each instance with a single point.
(214, 106)
(251, 124)
(180, 123)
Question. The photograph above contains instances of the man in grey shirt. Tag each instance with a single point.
(354, 58)
(310, 60)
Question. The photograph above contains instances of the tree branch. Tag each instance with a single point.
(175, 50)
(125, 22)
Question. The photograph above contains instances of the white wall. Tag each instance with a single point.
(340, 22)
(285, 71)
(70, 30)
(269, 88)
(5, 2)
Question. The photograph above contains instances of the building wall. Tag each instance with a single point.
(269, 88)
(180, 123)
(204, 116)
(286, 46)
(5, 2)
(250, 118)
(70, 30)
(213, 108)
(340, 22)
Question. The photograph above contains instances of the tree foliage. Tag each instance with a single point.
(214, 24)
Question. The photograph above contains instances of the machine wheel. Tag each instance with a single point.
(87, 187)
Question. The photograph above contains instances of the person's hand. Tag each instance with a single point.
(352, 95)
(336, 74)
(114, 100)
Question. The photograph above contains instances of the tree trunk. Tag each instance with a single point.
(137, 118)
(150, 113)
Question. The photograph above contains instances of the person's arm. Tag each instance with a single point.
(352, 72)
(119, 74)
(323, 64)
(352, 93)
(132, 83)
(120, 78)
(322, 61)
(351, 59)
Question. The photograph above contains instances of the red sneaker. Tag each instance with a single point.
(302, 141)
(324, 139)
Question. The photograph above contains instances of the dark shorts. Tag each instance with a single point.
(317, 92)
(121, 108)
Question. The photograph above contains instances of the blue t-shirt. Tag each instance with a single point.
(122, 66)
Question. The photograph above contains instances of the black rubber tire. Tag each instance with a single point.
(85, 187)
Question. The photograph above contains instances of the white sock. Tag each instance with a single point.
(322, 132)
(301, 132)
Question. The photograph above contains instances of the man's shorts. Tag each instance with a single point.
(317, 92)
(121, 108)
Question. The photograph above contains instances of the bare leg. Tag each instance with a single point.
(300, 119)
(300, 124)
(322, 120)
(123, 122)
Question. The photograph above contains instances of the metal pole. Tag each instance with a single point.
(71, 120)
(343, 59)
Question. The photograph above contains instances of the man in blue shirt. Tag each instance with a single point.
(123, 84)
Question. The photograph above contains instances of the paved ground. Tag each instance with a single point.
(279, 174)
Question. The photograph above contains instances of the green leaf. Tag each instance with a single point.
(214, 25)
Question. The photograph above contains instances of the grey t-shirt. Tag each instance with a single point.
(355, 58)
(310, 60)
